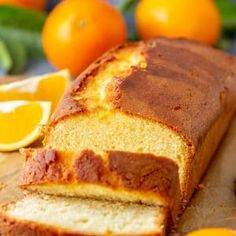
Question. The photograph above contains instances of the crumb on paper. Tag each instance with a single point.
(201, 186)
(2, 186)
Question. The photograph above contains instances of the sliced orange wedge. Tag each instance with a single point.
(48, 87)
(21, 123)
(213, 232)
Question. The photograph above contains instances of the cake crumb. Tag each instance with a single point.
(2, 186)
(201, 186)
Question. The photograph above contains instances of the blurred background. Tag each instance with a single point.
(36, 36)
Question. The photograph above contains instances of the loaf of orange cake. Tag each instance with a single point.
(160, 98)
(139, 126)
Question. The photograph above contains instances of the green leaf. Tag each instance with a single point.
(18, 55)
(20, 18)
(227, 9)
(23, 26)
(127, 8)
(30, 40)
(126, 5)
(5, 58)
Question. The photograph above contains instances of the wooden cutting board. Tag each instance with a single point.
(214, 204)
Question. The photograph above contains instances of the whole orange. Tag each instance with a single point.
(193, 19)
(31, 4)
(78, 31)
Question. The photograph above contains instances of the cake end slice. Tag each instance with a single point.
(51, 215)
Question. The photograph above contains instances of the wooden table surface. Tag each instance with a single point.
(213, 205)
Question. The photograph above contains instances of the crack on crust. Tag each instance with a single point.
(88, 167)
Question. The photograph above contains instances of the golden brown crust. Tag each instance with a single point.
(182, 89)
(198, 165)
(89, 167)
(120, 170)
(68, 105)
(145, 172)
(42, 165)
(183, 84)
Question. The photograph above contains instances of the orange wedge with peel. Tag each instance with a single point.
(48, 87)
(21, 123)
(213, 232)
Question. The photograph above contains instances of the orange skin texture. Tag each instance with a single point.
(192, 19)
(213, 232)
(30, 4)
(77, 32)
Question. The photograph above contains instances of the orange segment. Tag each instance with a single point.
(21, 122)
(213, 232)
(49, 87)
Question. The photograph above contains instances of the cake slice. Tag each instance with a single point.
(37, 215)
(113, 175)
(160, 98)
